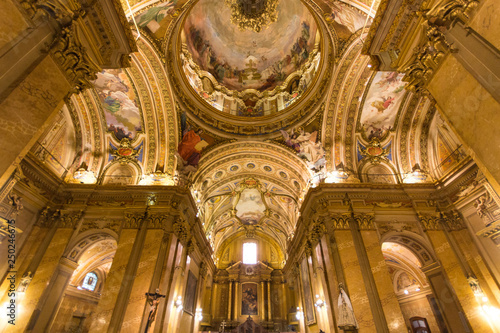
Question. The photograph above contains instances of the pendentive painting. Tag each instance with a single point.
(245, 59)
(118, 99)
(308, 299)
(381, 105)
(190, 295)
(249, 299)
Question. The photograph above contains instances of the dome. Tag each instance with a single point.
(250, 57)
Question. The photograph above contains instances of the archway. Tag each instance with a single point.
(421, 288)
(94, 256)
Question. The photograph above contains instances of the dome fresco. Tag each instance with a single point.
(244, 59)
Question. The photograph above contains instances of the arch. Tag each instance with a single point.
(413, 242)
(86, 239)
(378, 173)
(121, 174)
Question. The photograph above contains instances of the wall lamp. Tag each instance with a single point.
(299, 314)
(199, 314)
(319, 302)
(178, 303)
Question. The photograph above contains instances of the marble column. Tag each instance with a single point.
(46, 268)
(52, 297)
(170, 318)
(458, 281)
(382, 279)
(372, 293)
(354, 280)
(116, 277)
(269, 315)
(136, 303)
(230, 302)
(165, 282)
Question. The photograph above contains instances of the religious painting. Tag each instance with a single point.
(346, 19)
(306, 144)
(152, 17)
(381, 104)
(193, 142)
(308, 298)
(405, 281)
(249, 299)
(244, 59)
(190, 294)
(119, 102)
(250, 206)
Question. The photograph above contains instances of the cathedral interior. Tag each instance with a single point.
(250, 166)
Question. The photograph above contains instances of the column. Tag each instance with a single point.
(118, 275)
(369, 282)
(137, 308)
(263, 312)
(237, 305)
(52, 297)
(354, 281)
(380, 272)
(32, 252)
(46, 268)
(458, 281)
(230, 303)
(165, 283)
(169, 322)
(269, 315)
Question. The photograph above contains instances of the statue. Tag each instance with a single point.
(25, 281)
(346, 320)
(154, 301)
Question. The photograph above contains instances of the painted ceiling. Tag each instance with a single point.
(138, 126)
(245, 59)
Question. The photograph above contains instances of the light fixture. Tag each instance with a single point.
(406, 291)
(299, 314)
(339, 175)
(418, 288)
(157, 178)
(83, 176)
(319, 302)
(417, 175)
(199, 314)
(253, 14)
(178, 303)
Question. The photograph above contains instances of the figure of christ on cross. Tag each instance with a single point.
(154, 301)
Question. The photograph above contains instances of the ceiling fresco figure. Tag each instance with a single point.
(381, 104)
(118, 99)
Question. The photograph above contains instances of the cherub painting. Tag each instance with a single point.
(381, 105)
(307, 146)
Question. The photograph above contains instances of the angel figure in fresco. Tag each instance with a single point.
(387, 80)
(347, 16)
(304, 143)
(383, 104)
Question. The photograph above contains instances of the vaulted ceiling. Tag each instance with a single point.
(165, 121)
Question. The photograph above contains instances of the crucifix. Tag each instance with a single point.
(222, 326)
(153, 300)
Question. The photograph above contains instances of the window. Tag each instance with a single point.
(90, 281)
(250, 253)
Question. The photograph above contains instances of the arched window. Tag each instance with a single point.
(250, 253)
(90, 281)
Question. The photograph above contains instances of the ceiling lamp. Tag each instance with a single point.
(253, 14)
(83, 175)
(157, 178)
(417, 175)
